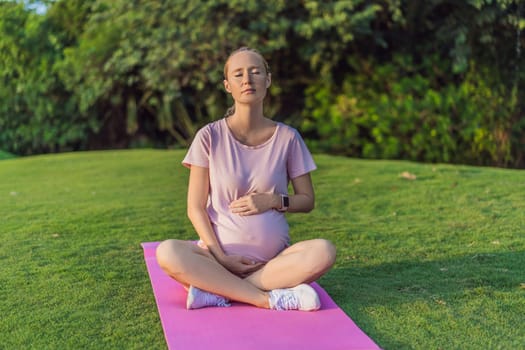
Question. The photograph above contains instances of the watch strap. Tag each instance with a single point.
(285, 202)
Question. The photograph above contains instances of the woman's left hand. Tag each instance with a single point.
(253, 203)
(240, 265)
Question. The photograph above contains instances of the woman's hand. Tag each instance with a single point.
(240, 265)
(254, 203)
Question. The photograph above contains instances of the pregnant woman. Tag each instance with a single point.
(240, 168)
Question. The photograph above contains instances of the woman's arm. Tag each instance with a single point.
(198, 190)
(302, 201)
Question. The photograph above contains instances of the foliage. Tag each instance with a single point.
(159, 63)
(135, 58)
(483, 31)
(36, 114)
(6, 155)
(395, 111)
(90, 74)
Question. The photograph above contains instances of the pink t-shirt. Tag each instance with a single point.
(235, 170)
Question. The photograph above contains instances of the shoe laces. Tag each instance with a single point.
(218, 300)
(213, 299)
(286, 300)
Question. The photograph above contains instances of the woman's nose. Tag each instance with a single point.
(245, 77)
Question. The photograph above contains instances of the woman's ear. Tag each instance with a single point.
(227, 86)
(268, 80)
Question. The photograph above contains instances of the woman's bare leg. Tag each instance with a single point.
(191, 265)
(302, 262)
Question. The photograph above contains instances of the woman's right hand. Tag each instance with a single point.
(240, 265)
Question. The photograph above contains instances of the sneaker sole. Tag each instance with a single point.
(190, 298)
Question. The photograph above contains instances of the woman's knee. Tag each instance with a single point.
(320, 256)
(326, 252)
(168, 255)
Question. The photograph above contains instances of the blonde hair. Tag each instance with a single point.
(231, 110)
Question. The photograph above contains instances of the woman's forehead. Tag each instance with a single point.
(245, 59)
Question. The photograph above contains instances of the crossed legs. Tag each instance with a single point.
(302, 262)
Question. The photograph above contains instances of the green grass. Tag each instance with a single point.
(432, 263)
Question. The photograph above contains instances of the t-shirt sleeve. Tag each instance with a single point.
(199, 152)
(300, 159)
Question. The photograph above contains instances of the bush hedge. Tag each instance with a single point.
(403, 110)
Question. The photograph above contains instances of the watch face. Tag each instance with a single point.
(285, 201)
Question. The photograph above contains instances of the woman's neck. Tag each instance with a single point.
(250, 127)
(248, 117)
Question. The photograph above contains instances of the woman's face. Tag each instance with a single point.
(247, 79)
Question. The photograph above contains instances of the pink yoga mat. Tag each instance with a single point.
(247, 327)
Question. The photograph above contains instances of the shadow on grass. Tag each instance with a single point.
(375, 296)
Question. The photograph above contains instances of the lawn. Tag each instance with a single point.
(436, 262)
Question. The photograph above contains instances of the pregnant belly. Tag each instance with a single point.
(259, 237)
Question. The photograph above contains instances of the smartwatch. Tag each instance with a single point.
(285, 202)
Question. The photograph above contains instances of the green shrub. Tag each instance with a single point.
(6, 155)
(394, 111)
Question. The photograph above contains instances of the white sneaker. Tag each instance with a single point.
(197, 298)
(303, 297)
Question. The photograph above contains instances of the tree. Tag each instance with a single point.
(157, 65)
(36, 114)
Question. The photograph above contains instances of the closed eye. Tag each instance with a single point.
(238, 73)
